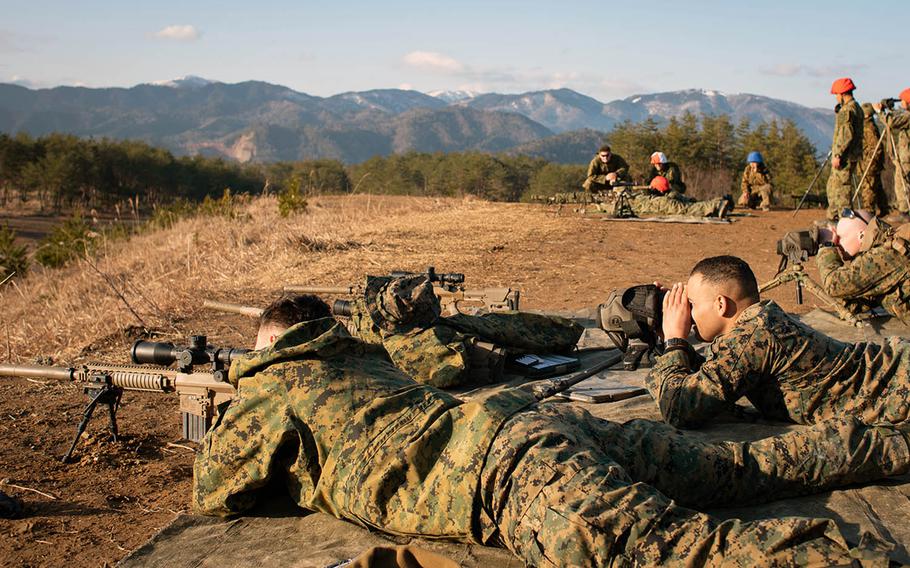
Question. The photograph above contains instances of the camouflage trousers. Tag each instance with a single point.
(872, 193)
(562, 488)
(901, 187)
(762, 197)
(840, 188)
(651, 206)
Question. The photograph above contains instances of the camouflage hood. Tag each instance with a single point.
(399, 305)
(321, 338)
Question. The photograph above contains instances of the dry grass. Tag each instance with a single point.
(157, 281)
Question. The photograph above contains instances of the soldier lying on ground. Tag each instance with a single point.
(403, 316)
(787, 370)
(350, 435)
(660, 166)
(604, 169)
(662, 200)
(756, 185)
(868, 261)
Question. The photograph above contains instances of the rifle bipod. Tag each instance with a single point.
(794, 272)
(101, 391)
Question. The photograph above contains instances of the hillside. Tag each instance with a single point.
(264, 122)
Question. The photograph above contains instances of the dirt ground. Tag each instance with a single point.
(116, 495)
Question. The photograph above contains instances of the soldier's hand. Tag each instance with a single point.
(611, 176)
(677, 316)
(835, 162)
(877, 107)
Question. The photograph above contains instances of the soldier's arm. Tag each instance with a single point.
(237, 455)
(871, 273)
(843, 134)
(688, 397)
(897, 120)
(744, 186)
(622, 169)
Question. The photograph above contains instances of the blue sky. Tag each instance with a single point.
(789, 50)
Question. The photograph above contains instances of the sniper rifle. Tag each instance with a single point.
(200, 392)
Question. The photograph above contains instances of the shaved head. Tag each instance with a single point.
(730, 275)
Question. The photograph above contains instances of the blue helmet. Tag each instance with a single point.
(755, 157)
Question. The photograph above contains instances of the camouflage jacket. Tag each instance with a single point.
(352, 435)
(438, 355)
(881, 274)
(597, 170)
(788, 371)
(756, 179)
(673, 174)
(848, 132)
(899, 122)
(870, 141)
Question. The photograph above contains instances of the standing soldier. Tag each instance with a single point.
(660, 166)
(846, 148)
(756, 183)
(604, 169)
(899, 123)
(871, 192)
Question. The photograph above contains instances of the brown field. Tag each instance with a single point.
(115, 496)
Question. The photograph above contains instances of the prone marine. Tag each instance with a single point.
(350, 435)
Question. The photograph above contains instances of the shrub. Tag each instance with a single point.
(74, 238)
(13, 257)
(291, 199)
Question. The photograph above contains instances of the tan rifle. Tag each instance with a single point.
(200, 392)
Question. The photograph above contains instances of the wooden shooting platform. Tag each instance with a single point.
(279, 534)
(671, 219)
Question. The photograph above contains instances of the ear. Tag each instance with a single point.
(725, 306)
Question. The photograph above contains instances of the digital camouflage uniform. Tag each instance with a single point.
(879, 274)
(899, 123)
(756, 184)
(353, 437)
(402, 315)
(848, 145)
(871, 191)
(788, 371)
(673, 174)
(598, 170)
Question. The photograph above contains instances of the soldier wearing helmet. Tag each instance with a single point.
(660, 166)
(756, 184)
(846, 147)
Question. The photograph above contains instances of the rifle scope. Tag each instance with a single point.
(197, 353)
(433, 276)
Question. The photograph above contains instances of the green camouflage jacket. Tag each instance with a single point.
(899, 122)
(788, 371)
(673, 174)
(848, 132)
(753, 180)
(881, 274)
(597, 170)
(353, 436)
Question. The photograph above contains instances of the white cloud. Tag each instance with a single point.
(184, 32)
(433, 61)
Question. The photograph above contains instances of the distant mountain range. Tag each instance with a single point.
(261, 121)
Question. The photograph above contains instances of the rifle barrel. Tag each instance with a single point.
(36, 372)
(341, 290)
(233, 308)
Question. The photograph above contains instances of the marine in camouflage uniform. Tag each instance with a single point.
(879, 274)
(899, 123)
(871, 191)
(353, 437)
(848, 146)
(788, 371)
(402, 315)
(647, 204)
(673, 174)
(756, 184)
(596, 179)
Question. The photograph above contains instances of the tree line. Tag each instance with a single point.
(63, 172)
